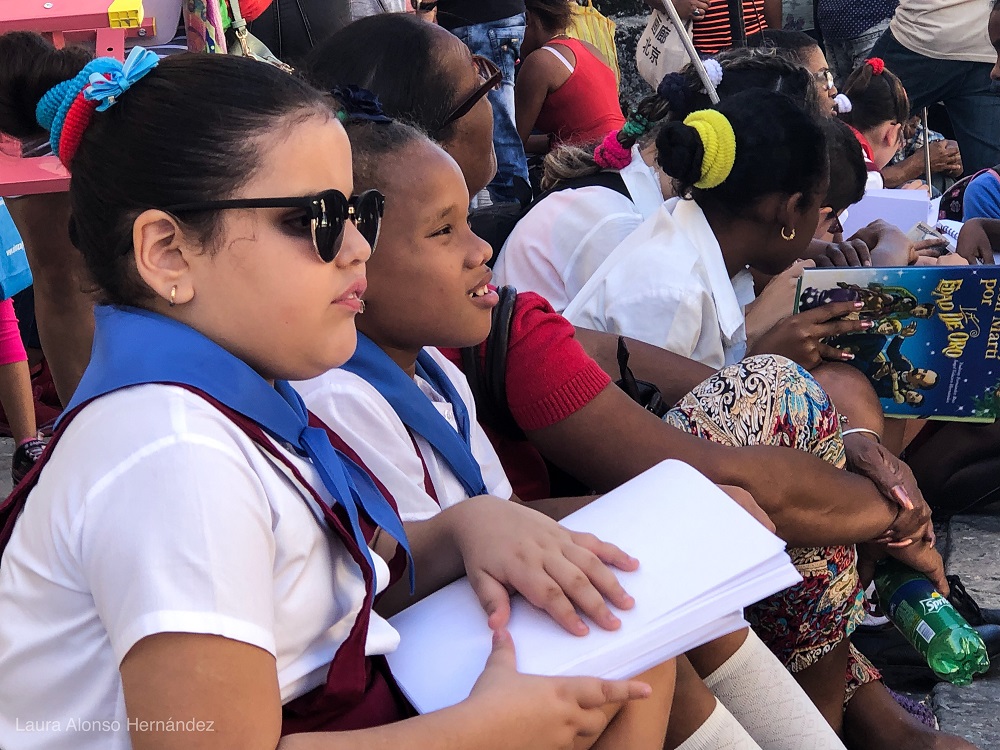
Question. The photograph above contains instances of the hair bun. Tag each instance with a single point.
(674, 91)
(679, 152)
(719, 143)
(31, 67)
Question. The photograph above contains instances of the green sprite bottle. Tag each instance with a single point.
(953, 650)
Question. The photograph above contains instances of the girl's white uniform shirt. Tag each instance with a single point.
(560, 242)
(360, 415)
(157, 514)
(667, 284)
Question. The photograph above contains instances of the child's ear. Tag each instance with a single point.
(825, 212)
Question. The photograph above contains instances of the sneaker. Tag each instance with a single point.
(25, 456)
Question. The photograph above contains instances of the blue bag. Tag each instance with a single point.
(15, 276)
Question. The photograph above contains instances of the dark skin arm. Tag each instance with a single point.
(673, 374)
(811, 503)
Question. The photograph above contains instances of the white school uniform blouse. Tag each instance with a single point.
(157, 514)
(667, 284)
(560, 242)
(359, 414)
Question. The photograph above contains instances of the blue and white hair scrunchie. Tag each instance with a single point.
(107, 89)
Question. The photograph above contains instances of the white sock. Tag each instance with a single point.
(767, 701)
(719, 732)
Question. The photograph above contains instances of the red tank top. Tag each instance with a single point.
(586, 107)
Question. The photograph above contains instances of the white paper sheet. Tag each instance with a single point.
(702, 560)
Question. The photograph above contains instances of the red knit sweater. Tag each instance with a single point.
(549, 377)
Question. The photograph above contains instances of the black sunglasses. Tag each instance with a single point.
(492, 78)
(326, 214)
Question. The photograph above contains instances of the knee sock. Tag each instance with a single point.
(766, 700)
(720, 732)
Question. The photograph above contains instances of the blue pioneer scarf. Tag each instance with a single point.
(134, 347)
(417, 412)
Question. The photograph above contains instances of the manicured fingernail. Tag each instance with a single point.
(846, 356)
(866, 324)
(901, 496)
(867, 263)
(859, 305)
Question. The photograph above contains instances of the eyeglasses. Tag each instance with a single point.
(492, 78)
(326, 214)
(825, 76)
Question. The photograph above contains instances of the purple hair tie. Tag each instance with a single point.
(611, 154)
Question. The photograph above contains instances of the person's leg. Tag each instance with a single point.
(771, 401)
(973, 106)
(641, 724)
(15, 378)
(700, 720)
(874, 720)
(847, 54)
(63, 308)
(500, 41)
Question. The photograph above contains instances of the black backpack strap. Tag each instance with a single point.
(488, 377)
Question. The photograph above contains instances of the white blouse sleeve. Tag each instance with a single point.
(179, 539)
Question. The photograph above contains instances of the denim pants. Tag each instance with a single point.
(970, 97)
(500, 41)
(845, 55)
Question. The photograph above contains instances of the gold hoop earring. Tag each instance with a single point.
(788, 237)
(173, 295)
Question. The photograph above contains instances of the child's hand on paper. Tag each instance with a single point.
(545, 713)
(507, 547)
(802, 338)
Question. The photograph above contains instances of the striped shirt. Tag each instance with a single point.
(713, 34)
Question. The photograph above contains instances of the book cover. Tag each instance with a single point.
(934, 352)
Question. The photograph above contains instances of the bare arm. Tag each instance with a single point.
(673, 374)
(772, 14)
(232, 689)
(532, 86)
(612, 439)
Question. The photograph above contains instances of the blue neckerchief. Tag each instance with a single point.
(418, 413)
(133, 347)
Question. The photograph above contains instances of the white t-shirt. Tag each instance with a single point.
(667, 284)
(157, 514)
(560, 242)
(359, 414)
(945, 29)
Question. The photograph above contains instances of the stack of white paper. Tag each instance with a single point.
(902, 208)
(702, 560)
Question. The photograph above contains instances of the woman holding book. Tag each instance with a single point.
(190, 550)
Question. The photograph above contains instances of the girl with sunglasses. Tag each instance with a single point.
(189, 566)
(565, 91)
